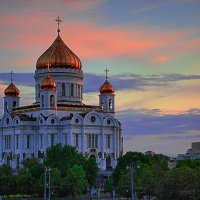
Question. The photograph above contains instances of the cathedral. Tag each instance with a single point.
(58, 114)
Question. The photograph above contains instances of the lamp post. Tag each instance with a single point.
(132, 168)
(47, 184)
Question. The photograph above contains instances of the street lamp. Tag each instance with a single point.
(132, 169)
(47, 184)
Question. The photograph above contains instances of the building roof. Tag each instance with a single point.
(11, 90)
(58, 55)
(67, 107)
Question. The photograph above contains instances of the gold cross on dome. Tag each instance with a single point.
(48, 67)
(106, 70)
(58, 20)
(11, 76)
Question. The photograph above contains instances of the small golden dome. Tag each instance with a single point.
(58, 55)
(11, 90)
(107, 88)
(48, 83)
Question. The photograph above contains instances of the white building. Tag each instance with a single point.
(58, 114)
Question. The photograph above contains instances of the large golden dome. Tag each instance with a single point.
(58, 55)
(11, 90)
(106, 88)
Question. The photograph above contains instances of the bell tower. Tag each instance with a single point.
(48, 93)
(11, 99)
(107, 96)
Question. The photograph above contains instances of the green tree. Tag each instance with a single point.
(7, 181)
(25, 182)
(36, 170)
(180, 184)
(91, 171)
(148, 181)
(74, 182)
(63, 158)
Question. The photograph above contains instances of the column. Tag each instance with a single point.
(103, 165)
(13, 147)
(70, 140)
(21, 144)
(82, 140)
(36, 142)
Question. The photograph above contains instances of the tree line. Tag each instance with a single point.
(153, 178)
(71, 174)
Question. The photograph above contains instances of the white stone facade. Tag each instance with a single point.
(59, 116)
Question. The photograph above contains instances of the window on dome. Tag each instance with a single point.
(14, 104)
(72, 89)
(7, 120)
(52, 100)
(102, 103)
(110, 104)
(63, 89)
(79, 91)
(42, 101)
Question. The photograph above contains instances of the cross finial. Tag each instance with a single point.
(48, 67)
(106, 70)
(11, 76)
(58, 20)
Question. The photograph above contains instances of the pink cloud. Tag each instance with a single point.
(34, 34)
(81, 5)
(161, 58)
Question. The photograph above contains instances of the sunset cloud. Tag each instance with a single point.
(161, 58)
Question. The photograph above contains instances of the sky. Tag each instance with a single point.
(151, 48)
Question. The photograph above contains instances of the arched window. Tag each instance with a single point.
(14, 104)
(63, 89)
(72, 89)
(102, 103)
(42, 101)
(79, 91)
(52, 100)
(110, 104)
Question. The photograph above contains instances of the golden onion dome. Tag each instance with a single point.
(48, 83)
(58, 55)
(11, 90)
(107, 88)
